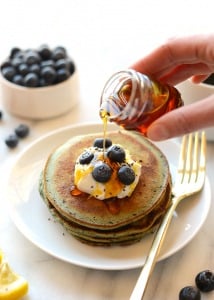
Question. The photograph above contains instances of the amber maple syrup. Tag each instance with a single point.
(105, 122)
(133, 101)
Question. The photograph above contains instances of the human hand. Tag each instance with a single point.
(177, 60)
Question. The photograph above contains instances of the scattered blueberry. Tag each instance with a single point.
(126, 175)
(189, 293)
(34, 61)
(101, 172)
(12, 141)
(116, 153)
(98, 142)
(86, 157)
(22, 130)
(205, 281)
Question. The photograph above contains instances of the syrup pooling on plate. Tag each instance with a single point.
(134, 101)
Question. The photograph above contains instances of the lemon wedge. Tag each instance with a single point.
(12, 285)
(1, 256)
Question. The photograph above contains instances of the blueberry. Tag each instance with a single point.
(86, 157)
(35, 68)
(5, 64)
(98, 142)
(116, 153)
(61, 48)
(12, 141)
(58, 53)
(61, 63)
(8, 72)
(18, 79)
(47, 63)
(126, 175)
(42, 82)
(62, 74)
(1, 114)
(71, 66)
(45, 52)
(32, 57)
(205, 281)
(31, 80)
(101, 172)
(22, 130)
(16, 61)
(14, 51)
(49, 74)
(23, 69)
(20, 55)
(189, 293)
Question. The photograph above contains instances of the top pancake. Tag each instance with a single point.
(58, 178)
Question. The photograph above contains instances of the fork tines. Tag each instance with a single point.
(192, 160)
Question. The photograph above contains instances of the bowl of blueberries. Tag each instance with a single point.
(39, 83)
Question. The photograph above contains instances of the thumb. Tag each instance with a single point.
(183, 120)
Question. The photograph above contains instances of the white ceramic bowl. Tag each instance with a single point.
(41, 102)
(191, 92)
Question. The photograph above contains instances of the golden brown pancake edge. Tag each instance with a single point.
(108, 215)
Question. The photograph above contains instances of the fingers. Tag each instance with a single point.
(186, 71)
(177, 54)
(183, 120)
(173, 62)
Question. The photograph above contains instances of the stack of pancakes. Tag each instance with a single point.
(113, 221)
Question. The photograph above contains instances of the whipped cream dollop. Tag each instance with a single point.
(103, 174)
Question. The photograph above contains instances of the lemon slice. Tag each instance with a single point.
(12, 285)
(1, 256)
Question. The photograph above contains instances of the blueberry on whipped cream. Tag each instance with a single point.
(106, 170)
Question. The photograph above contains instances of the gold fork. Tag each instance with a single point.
(189, 180)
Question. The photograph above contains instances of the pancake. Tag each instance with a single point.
(113, 221)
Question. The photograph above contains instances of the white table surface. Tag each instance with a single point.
(103, 37)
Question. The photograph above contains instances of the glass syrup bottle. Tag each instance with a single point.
(133, 100)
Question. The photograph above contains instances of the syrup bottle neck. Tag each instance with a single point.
(127, 94)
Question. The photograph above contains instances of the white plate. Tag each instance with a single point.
(33, 219)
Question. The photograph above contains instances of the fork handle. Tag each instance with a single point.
(141, 284)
